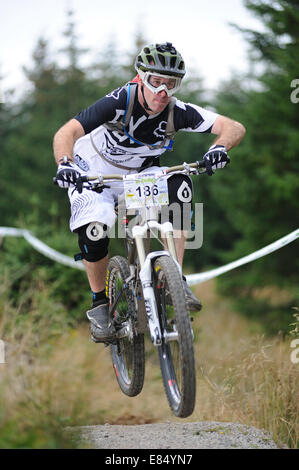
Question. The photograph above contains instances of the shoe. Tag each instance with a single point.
(101, 331)
(192, 302)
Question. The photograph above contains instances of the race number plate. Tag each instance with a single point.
(145, 190)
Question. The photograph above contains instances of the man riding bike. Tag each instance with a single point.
(127, 131)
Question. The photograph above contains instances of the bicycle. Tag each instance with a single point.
(145, 292)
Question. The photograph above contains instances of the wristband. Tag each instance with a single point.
(64, 159)
(214, 146)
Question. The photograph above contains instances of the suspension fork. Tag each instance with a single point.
(145, 274)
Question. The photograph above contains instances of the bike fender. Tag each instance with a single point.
(156, 254)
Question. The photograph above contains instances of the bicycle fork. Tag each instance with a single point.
(146, 273)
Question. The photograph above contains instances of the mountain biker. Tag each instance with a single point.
(99, 141)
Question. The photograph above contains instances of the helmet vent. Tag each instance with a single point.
(172, 61)
(150, 59)
(162, 59)
(147, 50)
(181, 66)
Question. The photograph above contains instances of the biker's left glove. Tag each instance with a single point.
(215, 158)
(66, 175)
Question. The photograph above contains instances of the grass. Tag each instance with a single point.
(243, 376)
(55, 376)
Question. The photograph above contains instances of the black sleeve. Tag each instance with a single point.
(193, 118)
(103, 110)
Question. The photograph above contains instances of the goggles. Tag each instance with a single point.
(157, 82)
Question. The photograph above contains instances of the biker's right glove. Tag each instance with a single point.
(66, 175)
(216, 157)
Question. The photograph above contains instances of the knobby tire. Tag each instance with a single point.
(127, 353)
(176, 356)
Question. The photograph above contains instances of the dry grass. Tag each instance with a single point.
(48, 383)
(242, 376)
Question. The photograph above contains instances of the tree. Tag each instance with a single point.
(260, 192)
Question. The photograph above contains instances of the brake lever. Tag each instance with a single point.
(79, 183)
(97, 187)
(201, 165)
(100, 188)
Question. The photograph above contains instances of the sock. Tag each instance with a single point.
(99, 297)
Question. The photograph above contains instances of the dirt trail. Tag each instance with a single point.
(202, 435)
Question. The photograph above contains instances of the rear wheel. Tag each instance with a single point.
(128, 351)
(176, 353)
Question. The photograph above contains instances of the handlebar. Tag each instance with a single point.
(187, 168)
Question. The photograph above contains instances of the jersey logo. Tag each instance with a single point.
(113, 149)
(81, 163)
(133, 127)
(184, 192)
(114, 94)
(95, 231)
(160, 131)
(117, 117)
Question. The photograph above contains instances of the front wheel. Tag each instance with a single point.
(128, 351)
(176, 353)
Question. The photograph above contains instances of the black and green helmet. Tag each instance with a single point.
(161, 58)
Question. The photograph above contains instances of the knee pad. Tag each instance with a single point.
(93, 241)
(178, 212)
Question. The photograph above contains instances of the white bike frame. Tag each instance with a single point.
(139, 233)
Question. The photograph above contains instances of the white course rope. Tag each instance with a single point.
(191, 278)
(41, 247)
(202, 277)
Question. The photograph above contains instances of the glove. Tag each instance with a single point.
(66, 175)
(216, 157)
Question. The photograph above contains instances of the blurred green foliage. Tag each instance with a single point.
(260, 192)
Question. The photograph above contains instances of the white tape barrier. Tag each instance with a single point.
(41, 247)
(202, 277)
(191, 278)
